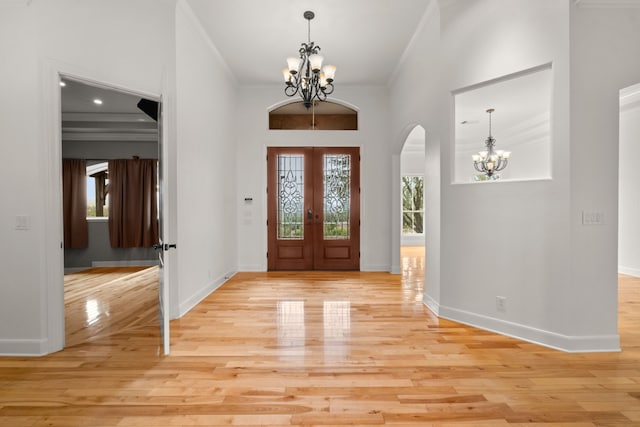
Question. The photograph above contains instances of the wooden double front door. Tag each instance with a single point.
(313, 208)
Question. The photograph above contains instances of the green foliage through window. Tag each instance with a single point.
(413, 204)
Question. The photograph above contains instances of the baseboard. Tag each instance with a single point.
(635, 272)
(567, 343)
(395, 269)
(431, 304)
(30, 348)
(129, 263)
(190, 303)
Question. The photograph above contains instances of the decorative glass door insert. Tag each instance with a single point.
(290, 196)
(337, 196)
(313, 215)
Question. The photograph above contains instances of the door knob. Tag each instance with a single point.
(309, 214)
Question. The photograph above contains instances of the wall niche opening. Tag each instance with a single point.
(323, 115)
(521, 125)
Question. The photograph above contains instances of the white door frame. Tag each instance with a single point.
(52, 302)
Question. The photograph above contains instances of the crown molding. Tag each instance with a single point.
(608, 4)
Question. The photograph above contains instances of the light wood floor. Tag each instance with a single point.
(100, 302)
(323, 349)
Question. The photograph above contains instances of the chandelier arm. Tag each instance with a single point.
(328, 89)
(321, 96)
(291, 90)
(475, 165)
(503, 164)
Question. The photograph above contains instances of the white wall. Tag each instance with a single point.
(206, 164)
(599, 35)
(534, 255)
(525, 255)
(40, 39)
(412, 163)
(372, 137)
(21, 256)
(629, 215)
(417, 104)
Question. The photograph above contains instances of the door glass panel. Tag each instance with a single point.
(290, 197)
(337, 197)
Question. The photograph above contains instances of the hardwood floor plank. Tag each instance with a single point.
(310, 348)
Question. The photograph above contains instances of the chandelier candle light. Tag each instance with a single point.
(490, 160)
(305, 74)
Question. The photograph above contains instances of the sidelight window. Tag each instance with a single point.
(412, 204)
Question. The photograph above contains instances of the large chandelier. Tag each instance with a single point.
(305, 74)
(490, 161)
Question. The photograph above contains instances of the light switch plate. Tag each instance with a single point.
(592, 218)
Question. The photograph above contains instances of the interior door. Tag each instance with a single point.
(313, 208)
(163, 291)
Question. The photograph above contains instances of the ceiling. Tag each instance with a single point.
(364, 39)
(117, 118)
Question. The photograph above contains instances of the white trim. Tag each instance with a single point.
(408, 51)
(296, 100)
(431, 304)
(190, 14)
(567, 343)
(504, 77)
(204, 292)
(20, 347)
(608, 4)
(629, 271)
(52, 288)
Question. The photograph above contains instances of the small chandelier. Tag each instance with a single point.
(490, 161)
(305, 74)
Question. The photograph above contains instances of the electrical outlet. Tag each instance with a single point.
(501, 304)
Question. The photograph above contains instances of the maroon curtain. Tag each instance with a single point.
(74, 203)
(133, 210)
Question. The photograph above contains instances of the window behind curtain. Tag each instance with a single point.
(412, 205)
(97, 189)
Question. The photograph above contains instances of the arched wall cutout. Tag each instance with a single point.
(296, 100)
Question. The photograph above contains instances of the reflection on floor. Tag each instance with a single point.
(412, 268)
(324, 348)
(103, 301)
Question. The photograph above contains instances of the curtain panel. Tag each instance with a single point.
(74, 203)
(133, 209)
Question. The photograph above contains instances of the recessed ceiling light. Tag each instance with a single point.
(62, 84)
(97, 101)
